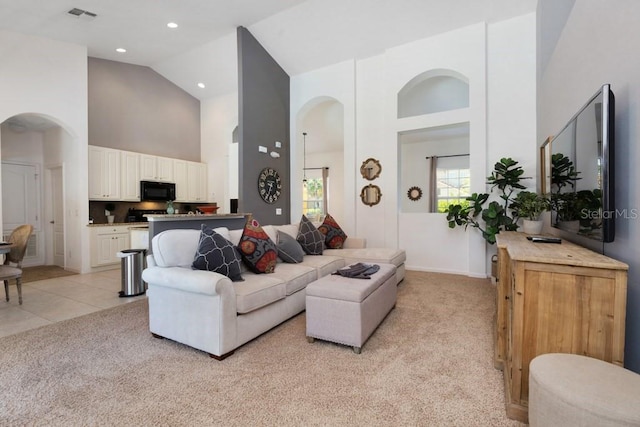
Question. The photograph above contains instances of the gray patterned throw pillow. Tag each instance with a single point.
(311, 240)
(215, 253)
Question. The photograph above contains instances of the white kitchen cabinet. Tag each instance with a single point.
(104, 173)
(197, 181)
(130, 176)
(154, 168)
(181, 178)
(106, 242)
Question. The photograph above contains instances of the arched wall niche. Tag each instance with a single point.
(322, 119)
(433, 91)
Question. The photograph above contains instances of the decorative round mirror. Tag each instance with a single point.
(370, 195)
(414, 193)
(370, 169)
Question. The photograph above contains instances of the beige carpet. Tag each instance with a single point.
(428, 364)
(41, 272)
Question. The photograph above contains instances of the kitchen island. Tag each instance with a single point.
(160, 223)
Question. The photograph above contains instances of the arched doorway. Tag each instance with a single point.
(32, 184)
(320, 159)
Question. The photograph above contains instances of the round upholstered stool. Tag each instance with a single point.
(572, 390)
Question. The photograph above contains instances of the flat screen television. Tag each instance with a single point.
(581, 170)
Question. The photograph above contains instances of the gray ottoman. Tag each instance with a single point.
(347, 311)
(573, 390)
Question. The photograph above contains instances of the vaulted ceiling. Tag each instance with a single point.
(301, 35)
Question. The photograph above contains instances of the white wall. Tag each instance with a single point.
(50, 77)
(429, 243)
(502, 106)
(21, 146)
(511, 93)
(218, 118)
(599, 45)
(511, 103)
(414, 169)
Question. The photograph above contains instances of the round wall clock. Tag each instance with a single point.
(414, 193)
(269, 185)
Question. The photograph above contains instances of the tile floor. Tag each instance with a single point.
(48, 301)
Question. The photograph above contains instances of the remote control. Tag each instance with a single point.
(544, 239)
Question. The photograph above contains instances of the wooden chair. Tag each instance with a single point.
(18, 238)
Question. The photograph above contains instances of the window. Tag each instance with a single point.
(314, 193)
(450, 181)
(453, 187)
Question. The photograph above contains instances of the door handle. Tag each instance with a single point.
(51, 222)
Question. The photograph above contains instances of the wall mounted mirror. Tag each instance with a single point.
(370, 195)
(370, 169)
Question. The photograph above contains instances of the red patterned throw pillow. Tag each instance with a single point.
(259, 252)
(334, 236)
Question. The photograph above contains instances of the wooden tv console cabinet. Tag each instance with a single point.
(554, 298)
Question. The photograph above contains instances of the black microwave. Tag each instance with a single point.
(157, 191)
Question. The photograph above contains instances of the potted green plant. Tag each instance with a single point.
(588, 204)
(567, 211)
(529, 206)
(506, 177)
(563, 173)
(564, 200)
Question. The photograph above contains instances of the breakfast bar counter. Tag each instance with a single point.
(160, 223)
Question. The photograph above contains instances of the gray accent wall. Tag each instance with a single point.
(263, 120)
(133, 108)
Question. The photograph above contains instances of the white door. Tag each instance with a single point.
(20, 195)
(57, 210)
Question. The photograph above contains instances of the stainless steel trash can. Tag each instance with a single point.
(132, 264)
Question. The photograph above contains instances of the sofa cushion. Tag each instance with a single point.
(175, 248)
(257, 291)
(325, 264)
(396, 257)
(257, 249)
(311, 240)
(215, 253)
(296, 276)
(290, 229)
(289, 250)
(334, 237)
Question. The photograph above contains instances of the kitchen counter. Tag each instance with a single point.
(116, 224)
(191, 217)
(160, 223)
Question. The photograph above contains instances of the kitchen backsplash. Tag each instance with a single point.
(96, 209)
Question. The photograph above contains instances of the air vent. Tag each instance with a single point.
(76, 12)
(84, 14)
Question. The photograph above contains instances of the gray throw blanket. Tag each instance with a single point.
(358, 271)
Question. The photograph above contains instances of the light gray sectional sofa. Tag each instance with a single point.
(209, 312)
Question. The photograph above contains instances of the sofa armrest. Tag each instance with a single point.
(151, 261)
(355, 243)
(187, 280)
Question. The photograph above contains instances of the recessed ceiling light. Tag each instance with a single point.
(201, 85)
(121, 50)
(172, 25)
